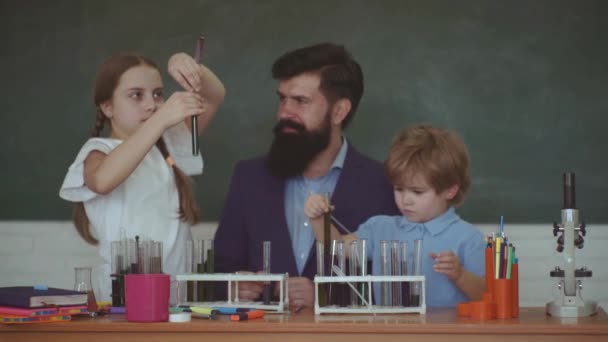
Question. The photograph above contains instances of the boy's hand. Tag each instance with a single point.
(185, 71)
(447, 263)
(315, 206)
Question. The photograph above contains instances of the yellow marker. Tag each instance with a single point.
(204, 311)
(497, 258)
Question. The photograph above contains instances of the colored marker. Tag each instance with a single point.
(510, 261)
(497, 258)
(231, 311)
(244, 316)
(502, 232)
(204, 311)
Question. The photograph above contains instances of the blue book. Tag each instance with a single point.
(29, 297)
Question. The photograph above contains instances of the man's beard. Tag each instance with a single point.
(291, 153)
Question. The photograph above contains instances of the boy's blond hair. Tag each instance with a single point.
(436, 154)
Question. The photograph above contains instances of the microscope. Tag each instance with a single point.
(568, 301)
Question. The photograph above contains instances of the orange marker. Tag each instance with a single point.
(243, 316)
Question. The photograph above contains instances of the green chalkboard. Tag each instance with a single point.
(523, 82)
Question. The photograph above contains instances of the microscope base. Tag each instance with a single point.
(587, 308)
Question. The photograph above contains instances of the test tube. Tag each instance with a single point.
(199, 264)
(327, 241)
(145, 256)
(132, 251)
(385, 270)
(209, 267)
(396, 271)
(338, 290)
(157, 257)
(322, 293)
(363, 286)
(189, 269)
(117, 261)
(353, 270)
(405, 287)
(266, 266)
(415, 286)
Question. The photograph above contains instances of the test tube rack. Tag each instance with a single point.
(230, 278)
(370, 308)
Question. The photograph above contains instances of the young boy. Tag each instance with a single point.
(428, 168)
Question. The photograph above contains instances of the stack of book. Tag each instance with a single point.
(26, 304)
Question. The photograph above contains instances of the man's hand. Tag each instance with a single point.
(301, 292)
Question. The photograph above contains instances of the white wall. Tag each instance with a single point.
(35, 252)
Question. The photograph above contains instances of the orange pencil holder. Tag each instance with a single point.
(501, 299)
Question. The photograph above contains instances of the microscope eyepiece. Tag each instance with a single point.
(569, 191)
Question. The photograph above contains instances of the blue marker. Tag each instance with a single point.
(502, 233)
(230, 311)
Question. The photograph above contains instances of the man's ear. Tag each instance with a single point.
(106, 109)
(451, 192)
(340, 110)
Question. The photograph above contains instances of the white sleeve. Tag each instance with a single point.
(179, 143)
(73, 187)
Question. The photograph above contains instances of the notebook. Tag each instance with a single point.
(9, 310)
(28, 297)
(7, 319)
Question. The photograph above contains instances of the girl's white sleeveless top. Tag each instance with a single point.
(145, 204)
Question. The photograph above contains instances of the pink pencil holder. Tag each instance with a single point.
(147, 297)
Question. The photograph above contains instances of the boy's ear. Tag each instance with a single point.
(340, 110)
(451, 192)
(106, 109)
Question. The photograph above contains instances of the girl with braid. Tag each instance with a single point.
(135, 180)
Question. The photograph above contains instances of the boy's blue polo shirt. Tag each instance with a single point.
(445, 232)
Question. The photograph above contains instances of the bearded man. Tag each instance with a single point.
(319, 89)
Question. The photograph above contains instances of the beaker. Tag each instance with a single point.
(83, 283)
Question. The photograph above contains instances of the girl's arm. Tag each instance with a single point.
(198, 78)
(103, 173)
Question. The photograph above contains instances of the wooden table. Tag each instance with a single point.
(436, 325)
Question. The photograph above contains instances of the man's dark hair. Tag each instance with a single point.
(341, 76)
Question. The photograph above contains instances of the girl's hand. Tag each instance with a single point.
(447, 263)
(315, 206)
(179, 106)
(185, 71)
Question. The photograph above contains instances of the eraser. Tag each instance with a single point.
(180, 317)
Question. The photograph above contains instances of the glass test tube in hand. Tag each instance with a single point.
(327, 232)
(266, 269)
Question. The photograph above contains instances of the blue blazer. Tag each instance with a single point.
(254, 212)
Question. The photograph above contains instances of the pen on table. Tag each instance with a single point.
(198, 56)
(243, 316)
